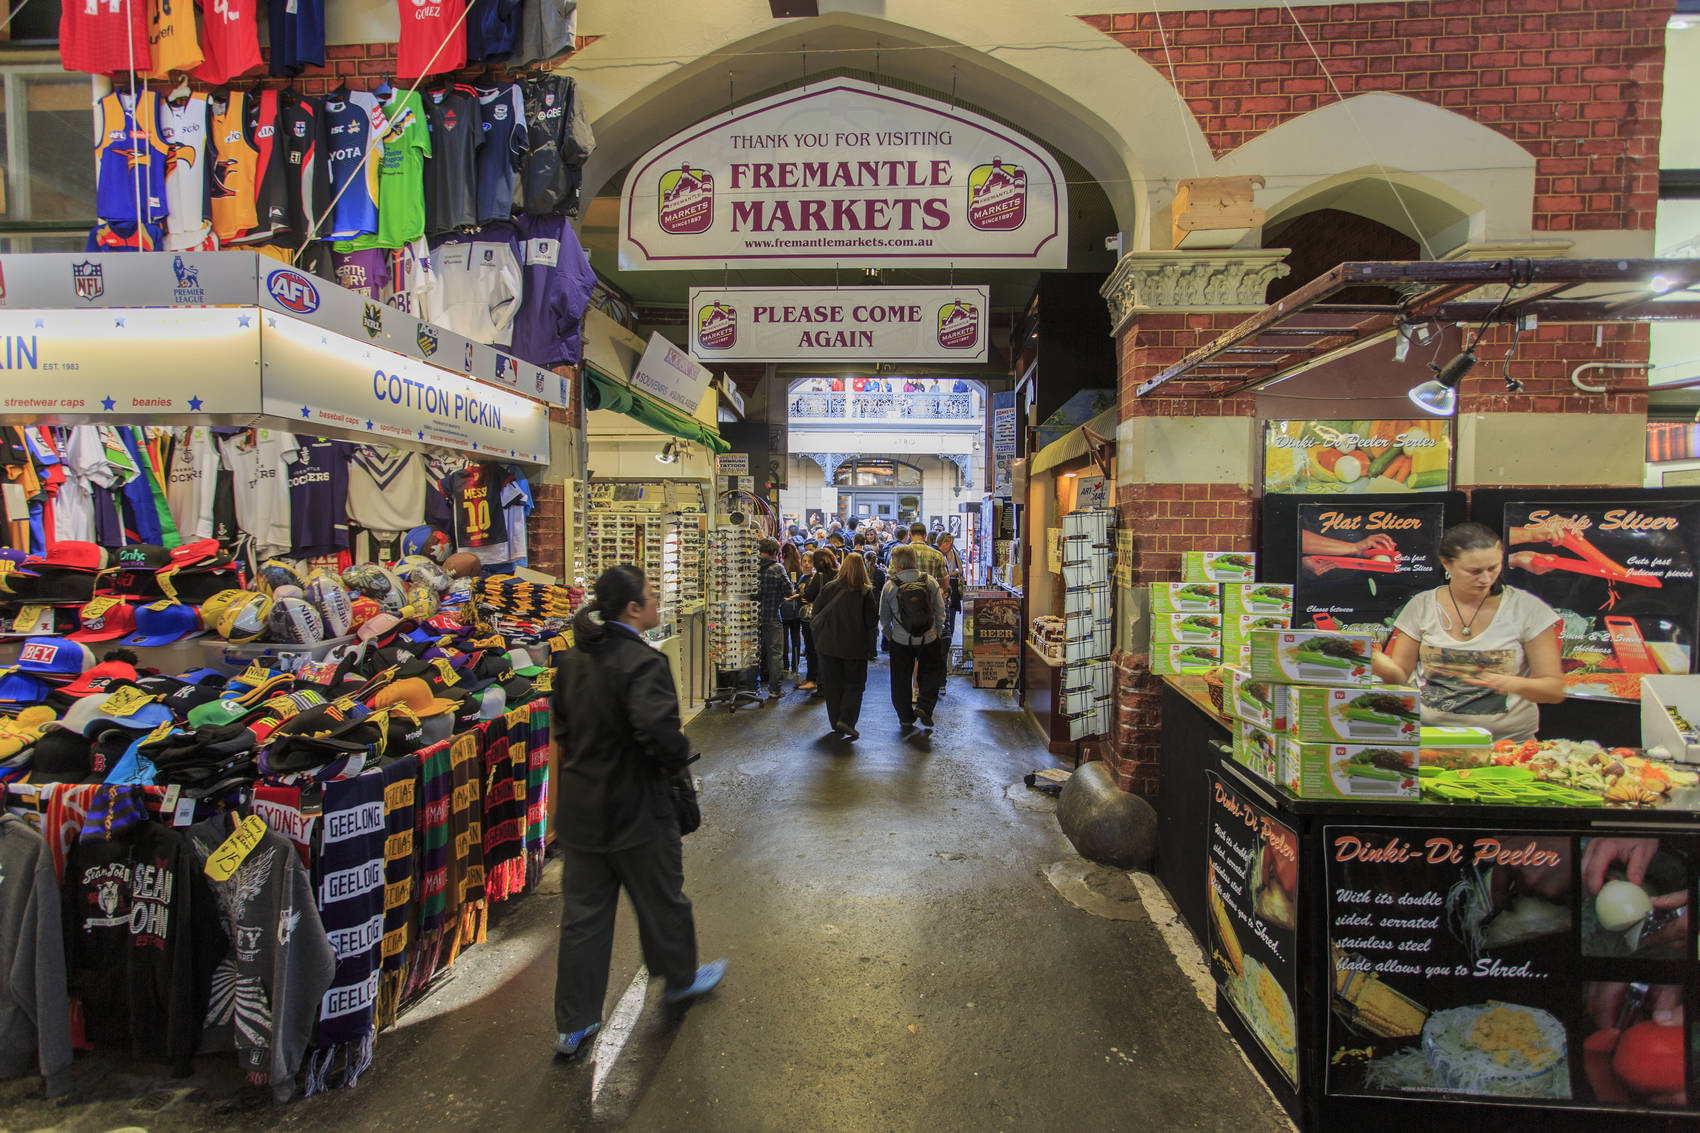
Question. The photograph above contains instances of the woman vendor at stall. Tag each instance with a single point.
(1483, 654)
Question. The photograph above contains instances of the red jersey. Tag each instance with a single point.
(230, 39)
(426, 25)
(92, 36)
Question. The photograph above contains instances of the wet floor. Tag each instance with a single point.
(899, 961)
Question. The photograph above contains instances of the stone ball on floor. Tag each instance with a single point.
(1105, 823)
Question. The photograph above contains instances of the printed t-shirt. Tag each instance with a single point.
(230, 39)
(480, 525)
(262, 488)
(367, 272)
(386, 489)
(297, 35)
(130, 156)
(193, 483)
(183, 129)
(103, 39)
(1446, 661)
(401, 176)
(172, 45)
(318, 497)
(235, 164)
(425, 27)
(501, 115)
(451, 179)
(355, 125)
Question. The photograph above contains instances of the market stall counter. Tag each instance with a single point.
(1401, 961)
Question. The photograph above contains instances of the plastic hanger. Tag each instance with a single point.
(384, 89)
(179, 93)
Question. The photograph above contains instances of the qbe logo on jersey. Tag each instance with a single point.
(687, 201)
(717, 326)
(294, 291)
(959, 325)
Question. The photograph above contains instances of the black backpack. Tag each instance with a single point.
(915, 607)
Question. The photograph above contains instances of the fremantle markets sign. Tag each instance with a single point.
(848, 173)
(830, 324)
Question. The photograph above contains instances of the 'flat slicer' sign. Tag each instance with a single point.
(845, 173)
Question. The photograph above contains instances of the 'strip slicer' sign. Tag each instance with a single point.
(666, 372)
(845, 172)
(830, 324)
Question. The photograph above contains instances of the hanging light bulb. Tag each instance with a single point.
(669, 453)
(1439, 395)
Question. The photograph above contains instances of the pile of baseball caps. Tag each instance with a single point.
(209, 733)
(526, 601)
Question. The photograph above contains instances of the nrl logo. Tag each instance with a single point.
(373, 320)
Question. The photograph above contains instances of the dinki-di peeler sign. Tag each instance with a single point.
(845, 173)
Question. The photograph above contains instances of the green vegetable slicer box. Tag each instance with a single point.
(1311, 657)
(1219, 566)
(1451, 738)
(1387, 714)
(1167, 660)
(1185, 598)
(1348, 771)
(1259, 702)
(1670, 715)
(1186, 628)
(1257, 751)
(1274, 598)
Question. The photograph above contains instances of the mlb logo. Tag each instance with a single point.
(89, 279)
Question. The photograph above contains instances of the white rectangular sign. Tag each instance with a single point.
(667, 373)
(845, 173)
(733, 463)
(314, 377)
(831, 324)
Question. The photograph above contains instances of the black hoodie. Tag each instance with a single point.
(617, 719)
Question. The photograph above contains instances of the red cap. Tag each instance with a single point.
(197, 552)
(100, 677)
(105, 619)
(72, 554)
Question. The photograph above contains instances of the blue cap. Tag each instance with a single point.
(54, 657)
(161, 623)
(21, 688)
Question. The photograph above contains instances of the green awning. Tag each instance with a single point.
(605, 392)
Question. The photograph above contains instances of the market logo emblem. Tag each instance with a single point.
(372, 320)
(427, 339)
(997, 197)
(293, 291)
(188, 289)
(687, 201)
(717, 326)
(959, 325)
(89, 278)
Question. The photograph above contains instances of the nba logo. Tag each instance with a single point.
(89, 279)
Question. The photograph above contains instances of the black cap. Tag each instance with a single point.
(61, 756)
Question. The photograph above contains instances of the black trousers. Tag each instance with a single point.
(916, 664)
(843, 680)
(793, 644)
(653, 876)
(809, 654)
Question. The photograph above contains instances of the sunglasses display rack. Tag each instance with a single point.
(682, 562)
(577, 515)
(732, 609)
(1088, 632)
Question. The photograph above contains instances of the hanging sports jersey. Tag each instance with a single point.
(401, 185)
(557, 287)
(501, 114)
(318, 497)
(172, 45)
(121, 236)
(262, 489)
(271, 166)
(413, 278)
(451, 197)
(492, 30)
(550, 26)
(559, 139)
(367, 272)
(235, 162)
(230, 39)
(193, 483)
(130, 157)
(480, 525)
(103, 38)
(183, 128)
(353, 122)
(386, 489)
(306, 181)
(480, 284)
(297, 35)
(433, 37)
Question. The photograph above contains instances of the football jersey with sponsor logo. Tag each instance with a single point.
(367, 272)
(257, 469)
(230, 39)
(480, 524)
(318, 497)
(559, 138)
(103, 38)
(306, 181)
(297, 35)
(192, 484)
(172, 45)
(130, 157)
(558, 280)
(354, 126)
(234, 163)
(401, 183)
(426, 26)
(501, 115)
(271, 166)
(184, 127)
(451, 177)
(386, 489)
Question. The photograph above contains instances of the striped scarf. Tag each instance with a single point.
(506, 771)
(436, 784)
(537, 789)
(401, 788)
(466, 830)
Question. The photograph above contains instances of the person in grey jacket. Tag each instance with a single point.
(917, 651)
(35, 1019)
(846, 616)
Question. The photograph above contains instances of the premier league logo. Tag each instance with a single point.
(89, 279)
(188, 289)
(997, 197)
(687, 201)
(717, 326)
(427, 339)
(372, 321)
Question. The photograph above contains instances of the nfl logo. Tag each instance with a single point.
(91, 283)
(373, 320)
(427, 339)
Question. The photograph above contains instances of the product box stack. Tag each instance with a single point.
(1206, 619)
(1186, 627)
(1249, 606)
(1311, 718)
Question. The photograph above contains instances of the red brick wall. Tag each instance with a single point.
(1542, 361)
(1577, 84)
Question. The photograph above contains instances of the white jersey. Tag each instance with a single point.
(413, 279)
(262, 486)
(386, 489)
(193, 482)
(183, 129)
(481, 284)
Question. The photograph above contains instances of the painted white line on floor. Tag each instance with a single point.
(612, 1038)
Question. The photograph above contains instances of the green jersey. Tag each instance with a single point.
(401, 174)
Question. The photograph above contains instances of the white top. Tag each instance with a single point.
(386, 489)
(183, 129)
(262, 488)
(1445, 659)
(193, 483)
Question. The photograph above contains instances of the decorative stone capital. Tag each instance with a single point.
(1176, 282)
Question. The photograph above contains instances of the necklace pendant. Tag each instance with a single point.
(1466, 631)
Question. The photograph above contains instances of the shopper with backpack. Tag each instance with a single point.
(912, 617)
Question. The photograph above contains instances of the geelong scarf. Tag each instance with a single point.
(466, 829)
(436, 785)
(537, 790)
(351, 905)
(401, 787)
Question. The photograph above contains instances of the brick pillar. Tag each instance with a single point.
(1184, 463)
(545, 531)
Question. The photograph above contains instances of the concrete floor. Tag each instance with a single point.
(899, 961)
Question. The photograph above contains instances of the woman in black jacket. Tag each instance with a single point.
(826, 565)
(793, 627)
(846, 620)
(617, 727)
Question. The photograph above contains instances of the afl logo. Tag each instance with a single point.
(687, 201)
(293, 291)
(717, 326)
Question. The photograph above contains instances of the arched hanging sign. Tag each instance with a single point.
(845, 173)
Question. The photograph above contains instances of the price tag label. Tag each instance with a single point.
(97, 607)
(184, 815)
(169, 803)
(236, 848)
(125, 702)
(451, 675)
(32, 620)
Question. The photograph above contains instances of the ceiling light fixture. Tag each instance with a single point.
(1439, 395)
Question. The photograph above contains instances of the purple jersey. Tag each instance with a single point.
(558, 282)
(367, 272)
(318, 497)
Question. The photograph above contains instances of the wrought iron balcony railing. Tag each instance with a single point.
(896, 407)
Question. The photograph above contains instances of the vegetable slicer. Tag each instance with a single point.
(1607, 570)
(1630, 647)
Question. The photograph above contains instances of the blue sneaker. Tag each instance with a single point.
(708, 978)
(570, 1045)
